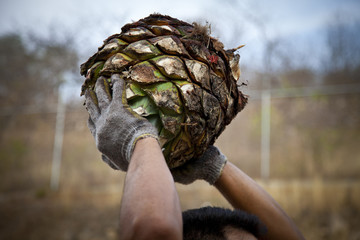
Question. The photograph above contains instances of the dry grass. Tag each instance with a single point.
(314, 176)
(322, 210)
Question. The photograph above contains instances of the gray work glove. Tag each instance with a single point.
(115, 127)
(207, 167)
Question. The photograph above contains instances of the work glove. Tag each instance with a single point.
(115, 127)
(207, 167)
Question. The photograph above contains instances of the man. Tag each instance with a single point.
(150, 206)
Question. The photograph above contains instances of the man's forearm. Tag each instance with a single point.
(244, 193)
(150, 204)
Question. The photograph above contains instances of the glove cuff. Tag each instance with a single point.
(215, 172)
(143, 131)
(217, 165)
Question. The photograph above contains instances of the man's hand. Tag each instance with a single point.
(115, 127)
(208, 167)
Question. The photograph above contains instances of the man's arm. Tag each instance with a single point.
(245, 194)
(150, 207)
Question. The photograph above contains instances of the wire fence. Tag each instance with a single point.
(264, 97)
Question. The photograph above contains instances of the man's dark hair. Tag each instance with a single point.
(210, 223)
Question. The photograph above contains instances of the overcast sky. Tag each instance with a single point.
(233, 22)
(282, 17)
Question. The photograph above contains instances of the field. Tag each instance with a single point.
(318, 187)
(321, 210)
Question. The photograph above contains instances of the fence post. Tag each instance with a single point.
(265, 133)
(58, 143)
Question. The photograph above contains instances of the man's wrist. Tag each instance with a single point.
(145, 149)
(144, 143)
(141, 137)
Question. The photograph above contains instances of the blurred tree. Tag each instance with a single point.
(342, 63)
(29, 77)
(31, 71)
(15, 71)
(324, 128)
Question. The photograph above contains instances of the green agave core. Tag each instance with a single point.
(161, 104)
(182, 81)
